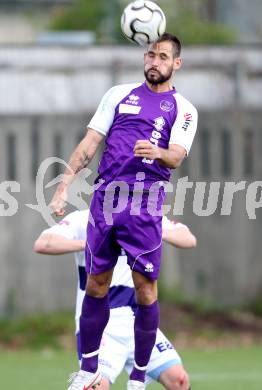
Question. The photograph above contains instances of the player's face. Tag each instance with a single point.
(159, 63)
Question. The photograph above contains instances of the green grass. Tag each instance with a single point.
(225, 368)
(37, 331)
(214, 369)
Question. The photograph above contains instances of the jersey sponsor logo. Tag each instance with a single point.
(188, 119)
(133, 99)
(149, 267)
(127, 109)
(166, 106)
(159, 124)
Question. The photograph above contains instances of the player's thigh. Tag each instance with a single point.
(102, 249)
(112, 357)
(139, 232)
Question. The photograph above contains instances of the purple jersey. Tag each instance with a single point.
(132, 112)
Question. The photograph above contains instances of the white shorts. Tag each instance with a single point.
(117, 348)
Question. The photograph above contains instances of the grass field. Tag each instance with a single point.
(214, 369)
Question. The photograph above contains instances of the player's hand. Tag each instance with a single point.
(144, 148)
(59, 201)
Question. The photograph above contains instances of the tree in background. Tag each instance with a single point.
(189, 19)
(192, 21)
(100, 16)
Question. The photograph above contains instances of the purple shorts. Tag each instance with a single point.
(132, 221)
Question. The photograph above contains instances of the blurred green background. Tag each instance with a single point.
(212, 309)
(215, 21)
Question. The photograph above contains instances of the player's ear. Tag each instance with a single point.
(177, 63)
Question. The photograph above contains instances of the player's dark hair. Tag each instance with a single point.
(174, 40)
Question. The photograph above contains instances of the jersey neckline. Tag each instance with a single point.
(148, 90)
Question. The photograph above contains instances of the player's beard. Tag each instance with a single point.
(154, 80)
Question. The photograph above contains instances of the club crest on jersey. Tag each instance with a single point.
(159, 123)
(149, 267)
(166, 106)
(132, 99)
(188, 119)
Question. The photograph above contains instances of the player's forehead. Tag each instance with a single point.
(165, 47)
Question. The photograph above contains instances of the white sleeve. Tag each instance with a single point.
(184, 128)
(171, 225)
(67, 227)
(105, 113)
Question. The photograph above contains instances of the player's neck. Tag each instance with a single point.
(159, 88)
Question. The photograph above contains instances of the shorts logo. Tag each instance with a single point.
(149, 267)
(122, 252)
(164, 346)
(105, 363)
(166, 106)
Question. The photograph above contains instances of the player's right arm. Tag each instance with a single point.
(97, 129)
(79, 159)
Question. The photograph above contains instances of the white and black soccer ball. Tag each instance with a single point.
(143, 22)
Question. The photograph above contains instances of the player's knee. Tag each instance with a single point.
(97, 287)
(175, 378)
(146, 290)
(145, 295)
(96, 290)
(104, 385)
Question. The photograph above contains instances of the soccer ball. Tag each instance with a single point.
(143, 22)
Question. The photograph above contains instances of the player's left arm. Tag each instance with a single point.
(171, 157)
(181, 137)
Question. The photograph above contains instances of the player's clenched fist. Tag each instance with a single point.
(58, 202)
(144, 148)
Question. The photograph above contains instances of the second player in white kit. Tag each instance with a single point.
(117, 346)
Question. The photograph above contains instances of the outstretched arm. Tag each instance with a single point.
(181, 237)
(79, 159)
(55, 244)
